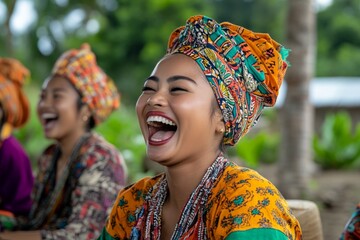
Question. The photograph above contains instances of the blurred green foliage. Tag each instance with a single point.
(338, 34)
(254, 149)
(338, 145)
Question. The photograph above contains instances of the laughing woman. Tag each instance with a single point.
(206, 93)
(79, 175)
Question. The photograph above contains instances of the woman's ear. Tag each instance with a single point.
(85, 113)
(219, 123)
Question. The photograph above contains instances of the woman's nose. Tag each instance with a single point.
(158, 99)
(44, 101)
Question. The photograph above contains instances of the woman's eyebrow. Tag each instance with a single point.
(152, 78)
(172, 79)
(59, 89)
(180, 77)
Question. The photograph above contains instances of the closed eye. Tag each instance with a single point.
(42, 96)
(177, 89)
(57, 96)
(146, 88)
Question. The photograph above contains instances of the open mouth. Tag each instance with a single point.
(161, 129)
(49, 119)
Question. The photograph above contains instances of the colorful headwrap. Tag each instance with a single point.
(12, 98)
(98, 90)
(245, 69)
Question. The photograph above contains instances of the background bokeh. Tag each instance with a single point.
(129, 37)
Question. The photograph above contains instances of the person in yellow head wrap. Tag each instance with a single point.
(79, 175)
(204, 94)
(16, 178)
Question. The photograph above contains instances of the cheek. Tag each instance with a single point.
(68, 109)
(38, 108)
(140, 104)
(194, 105)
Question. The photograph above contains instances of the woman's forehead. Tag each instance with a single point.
(178, 65)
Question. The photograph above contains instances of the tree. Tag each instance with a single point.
(297, 114)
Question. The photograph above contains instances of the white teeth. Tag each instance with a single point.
(48, 115)
(160, 119)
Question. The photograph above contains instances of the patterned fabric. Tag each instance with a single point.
(76, 206)
(12, 98)
(98, 91)
(352, 228)
(245, 69)
(231, 202)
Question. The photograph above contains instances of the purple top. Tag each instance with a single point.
(16, 178)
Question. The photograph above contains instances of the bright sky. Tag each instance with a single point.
(25, 13)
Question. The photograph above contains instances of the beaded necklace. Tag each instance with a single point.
(192, 214)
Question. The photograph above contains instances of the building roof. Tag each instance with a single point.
(330, 92)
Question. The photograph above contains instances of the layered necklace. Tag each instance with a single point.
(192, 214)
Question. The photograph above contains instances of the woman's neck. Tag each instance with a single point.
(67, 145)
(182, 180)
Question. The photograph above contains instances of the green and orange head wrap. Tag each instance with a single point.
(13, 101)
(245, 69)
(97, 90)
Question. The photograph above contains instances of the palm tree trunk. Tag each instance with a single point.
(297, 113)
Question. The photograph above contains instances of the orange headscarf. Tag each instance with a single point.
(13, 101)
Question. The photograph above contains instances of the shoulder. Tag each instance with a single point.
(12, 148)
(97, 148)
(13, 158)
(134, 195)
(10, 142)
(242, 200)
(99, 157)
(243, 186)
(97, 143)
(236, 178)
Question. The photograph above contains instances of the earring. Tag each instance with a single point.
(85, 118)
(221, 131)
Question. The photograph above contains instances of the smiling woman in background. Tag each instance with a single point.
(79, 175)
